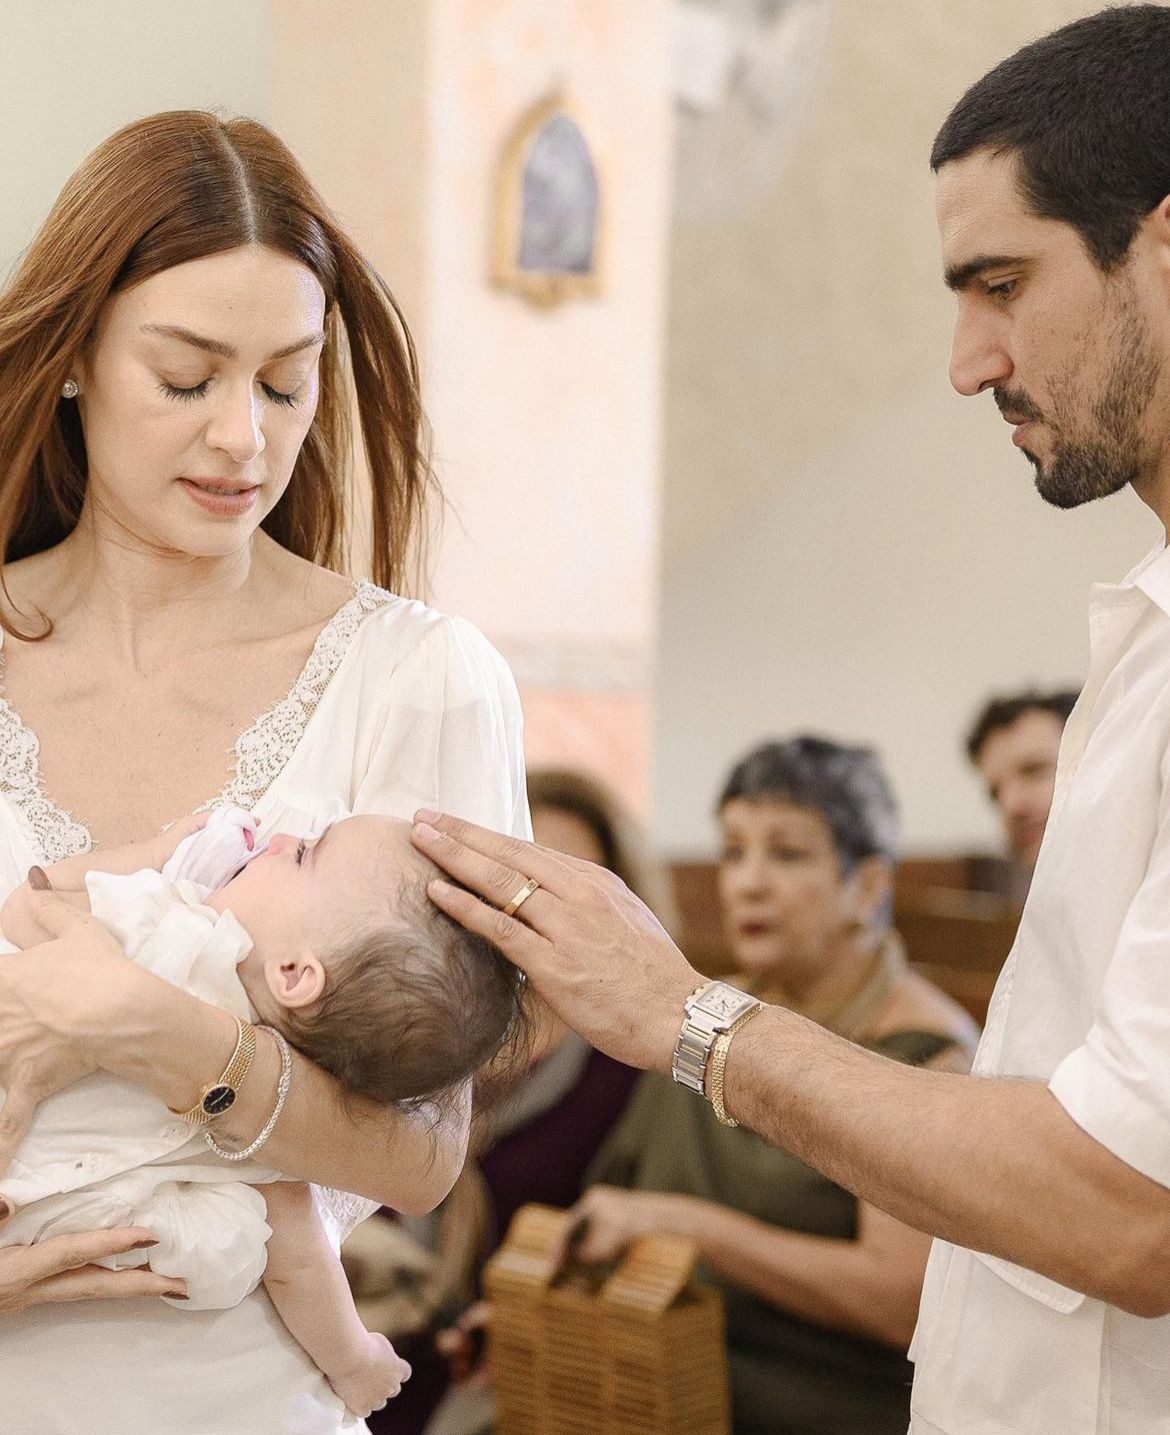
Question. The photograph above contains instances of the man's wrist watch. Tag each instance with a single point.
(714, 1008)
(221, 1094)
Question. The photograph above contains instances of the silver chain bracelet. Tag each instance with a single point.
(282, 1087)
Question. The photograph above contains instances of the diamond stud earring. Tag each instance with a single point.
(69, 389)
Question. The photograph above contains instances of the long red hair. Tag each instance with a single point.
(170, 188)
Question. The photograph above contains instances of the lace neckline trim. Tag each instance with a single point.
(262, 750)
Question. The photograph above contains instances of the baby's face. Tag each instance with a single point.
(306, 894)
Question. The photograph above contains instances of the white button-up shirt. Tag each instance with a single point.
(1083, 1004)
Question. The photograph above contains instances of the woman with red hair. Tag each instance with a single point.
(181, 350)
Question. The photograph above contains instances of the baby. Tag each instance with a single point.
(332, 941)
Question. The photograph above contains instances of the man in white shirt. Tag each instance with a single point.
(1045, 1176)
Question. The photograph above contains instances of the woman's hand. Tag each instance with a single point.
(17, 922)
(607, 1220)
(62, 1269)
(51, 1000)
(594, 952)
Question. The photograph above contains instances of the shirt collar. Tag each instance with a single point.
(1152, 577)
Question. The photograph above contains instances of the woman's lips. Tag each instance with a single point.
(224, 499)
(753, 929)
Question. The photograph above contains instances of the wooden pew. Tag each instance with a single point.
(959, 940)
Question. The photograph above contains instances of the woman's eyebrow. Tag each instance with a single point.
(226, 351)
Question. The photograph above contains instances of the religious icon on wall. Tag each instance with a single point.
(548, 207)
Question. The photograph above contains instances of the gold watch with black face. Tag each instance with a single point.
(221, 1094)
(711, 1010)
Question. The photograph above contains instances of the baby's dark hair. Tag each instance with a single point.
(412, 1008)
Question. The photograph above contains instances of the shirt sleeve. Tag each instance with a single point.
(451, 734)
(1116, 1084)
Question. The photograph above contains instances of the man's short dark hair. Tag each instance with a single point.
(1003, 711)
(1087, 112)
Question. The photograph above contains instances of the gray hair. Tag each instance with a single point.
(847, 786)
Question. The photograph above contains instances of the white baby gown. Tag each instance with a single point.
(398, 707)
(156, 1172)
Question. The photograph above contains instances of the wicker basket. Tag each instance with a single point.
(635, 1351)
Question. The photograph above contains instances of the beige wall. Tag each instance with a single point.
(349, 94)
(848, 546)
(73, 70)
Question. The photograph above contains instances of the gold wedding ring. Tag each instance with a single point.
(521, 897)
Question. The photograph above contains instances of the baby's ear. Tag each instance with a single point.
(297, 981)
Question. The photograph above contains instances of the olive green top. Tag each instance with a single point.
(788, 1377)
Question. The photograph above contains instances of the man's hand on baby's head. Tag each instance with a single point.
(375, 1376)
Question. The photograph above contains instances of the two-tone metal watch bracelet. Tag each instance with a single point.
(713, 1013)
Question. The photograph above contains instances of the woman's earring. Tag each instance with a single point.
(69, 389)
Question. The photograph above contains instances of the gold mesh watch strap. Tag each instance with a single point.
(220, 1095)
(719, 1064)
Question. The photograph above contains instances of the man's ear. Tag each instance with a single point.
(872, 884)
(1157, 227)
(296, 981)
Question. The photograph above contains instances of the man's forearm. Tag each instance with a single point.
(991, 1164)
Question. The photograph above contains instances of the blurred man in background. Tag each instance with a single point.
(1013, 744)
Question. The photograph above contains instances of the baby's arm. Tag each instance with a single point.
(308, 1288)
(68, 877)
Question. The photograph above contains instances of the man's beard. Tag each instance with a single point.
(1100, 453)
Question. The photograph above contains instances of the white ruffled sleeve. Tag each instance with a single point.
(450, 734)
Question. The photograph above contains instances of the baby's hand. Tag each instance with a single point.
(374, 1376)
(159, 850)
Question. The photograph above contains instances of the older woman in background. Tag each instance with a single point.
(821, 1290)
